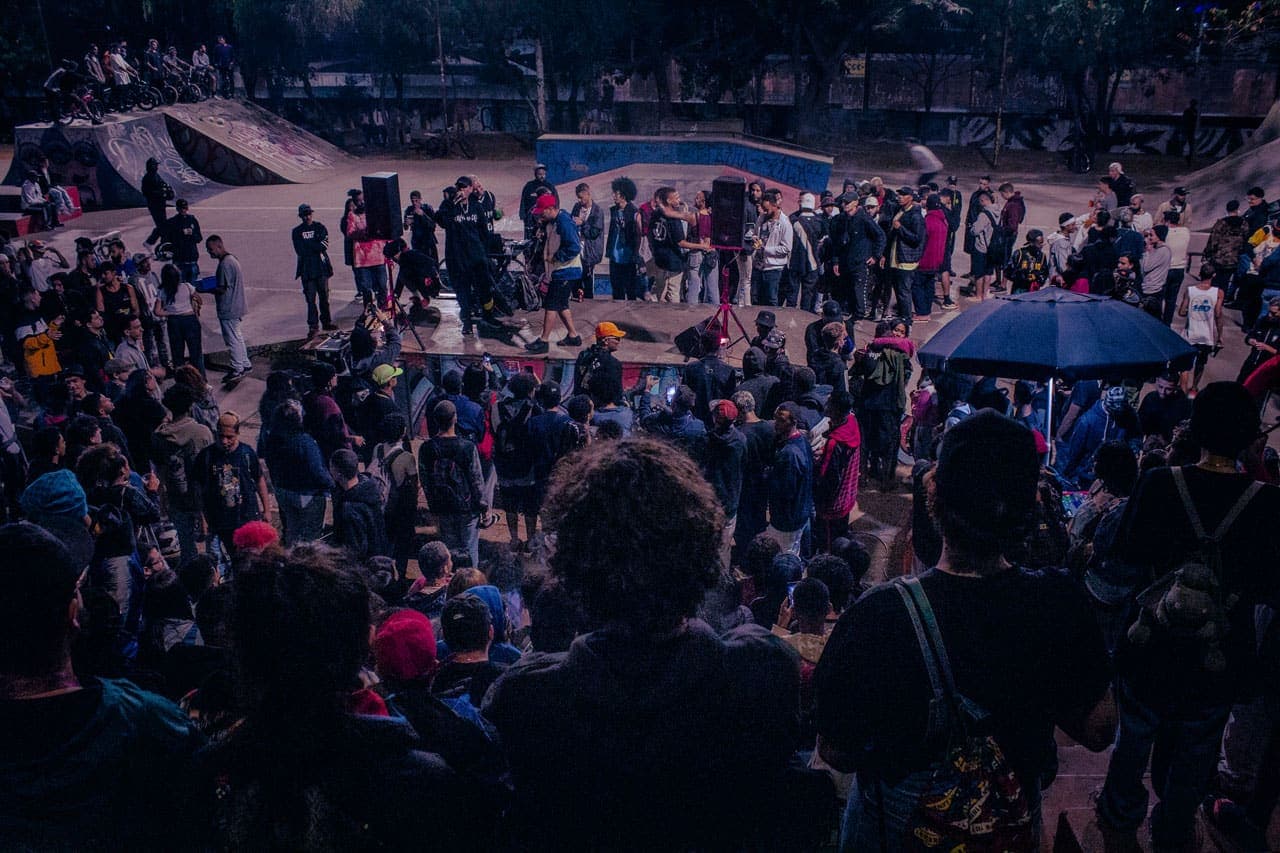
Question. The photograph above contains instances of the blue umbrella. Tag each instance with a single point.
(1056, 334)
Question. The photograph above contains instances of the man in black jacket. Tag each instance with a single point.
(182, 231)
(726, 449)
(157, 193)
(311, 245)
(598, 360)
(858, 244)
(358, 523)
(532, 189)
(449, 470)
(462, 216)
(710, 377)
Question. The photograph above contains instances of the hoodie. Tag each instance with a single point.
(1095, 428)
(756, 381)
(835, 479)
(935, 247)
(175, 446)
(73, 768)
(670, 743)
(357, 519)
(723, 466)
(790, 485)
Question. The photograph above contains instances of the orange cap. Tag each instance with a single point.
(608, 330)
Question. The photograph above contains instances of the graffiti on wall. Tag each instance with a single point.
(572, 158)
(235, 143)
(1045, 134)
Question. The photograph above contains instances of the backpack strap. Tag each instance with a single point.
(942, 708)
(1180, 481)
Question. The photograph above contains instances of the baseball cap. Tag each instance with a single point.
(304, 209)
(463, 181)
(384, 373)
(1181, 191)
(546, 201)
(724, 408)
(806, 201)
(354, 192)
(139, 257)
(608, 330)
(539, 166)
(767, 319)
(952, 180)
(36, 245)
(870, 202)
(905, 190)
(831, 310)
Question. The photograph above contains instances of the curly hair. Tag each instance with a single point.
(300, 631)
(637, 533)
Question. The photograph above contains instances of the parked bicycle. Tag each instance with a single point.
(1077, 152)
(442, 144)
(135, 93)
(79, 104)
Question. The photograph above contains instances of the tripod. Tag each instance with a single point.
(725, 313)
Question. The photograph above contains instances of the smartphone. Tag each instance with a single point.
(791, 588)
(1072, 501)
(671, 395)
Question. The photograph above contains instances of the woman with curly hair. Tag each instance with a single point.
(651, 732)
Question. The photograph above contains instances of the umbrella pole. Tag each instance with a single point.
(1048, 439)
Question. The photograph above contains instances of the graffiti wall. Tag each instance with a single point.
(237, 143)
(570, 158)
(1045, 134)
(106, 162)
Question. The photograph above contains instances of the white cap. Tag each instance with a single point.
(807, 201)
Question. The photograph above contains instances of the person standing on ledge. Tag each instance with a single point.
(229, 295)
(529, 196)
(563, 255)
(311, 245)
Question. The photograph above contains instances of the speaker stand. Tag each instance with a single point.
(725, 312)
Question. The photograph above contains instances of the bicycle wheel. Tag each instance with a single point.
(94, 109)
(192, 93)
(1079, 161)
(169, 93)
(64, 114)
(148, 98)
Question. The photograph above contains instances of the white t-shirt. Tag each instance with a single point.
(40, 270)
(1178, 241)
(181, 304)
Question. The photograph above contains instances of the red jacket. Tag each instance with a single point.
(935, 247)
(835, 480)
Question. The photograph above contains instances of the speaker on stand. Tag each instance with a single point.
(384, 217)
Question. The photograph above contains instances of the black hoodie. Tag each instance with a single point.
(626, 742)
(357, 519)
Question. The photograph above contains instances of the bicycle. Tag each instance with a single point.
(515, 285)
(135, 93)
(81, 104)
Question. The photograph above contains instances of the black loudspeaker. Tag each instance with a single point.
(689, 342)
(728, 211)
(384, 217)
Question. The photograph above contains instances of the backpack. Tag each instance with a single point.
(511, 455)
(974, 800)
(1189, 604)
(448, 487)
(379, 470)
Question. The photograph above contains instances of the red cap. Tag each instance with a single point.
(546, 201)
(405, 646)
(726, 409)
(255, 535)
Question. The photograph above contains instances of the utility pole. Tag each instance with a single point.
(1004, 66)
(444, 91)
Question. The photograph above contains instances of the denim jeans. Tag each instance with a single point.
(316, 290)
(1183, 754)
(185, 335)
(746, 265)
(903, 281)
(371, 282)
(875, 817)
(461, 534)
(622, 281)
(923, 285)
(1172, 289)
(702, 278)
(302, 514)
(235, 344)
(764, 287)
(189, 270)
(187, 525)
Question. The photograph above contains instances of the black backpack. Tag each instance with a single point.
(511, 456)
(448, 488)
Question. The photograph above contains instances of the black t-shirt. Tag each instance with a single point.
(1024, 646)
(229, 485)
(665, 235)
(1156, 537)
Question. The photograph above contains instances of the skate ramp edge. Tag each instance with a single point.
(242, 144)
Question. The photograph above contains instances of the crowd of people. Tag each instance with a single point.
(678, 645)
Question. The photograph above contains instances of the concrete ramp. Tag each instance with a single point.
(106, 162)
(238, 143)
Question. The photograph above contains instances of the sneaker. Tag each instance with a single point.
(468, 331)
(569, 342)
(968, 291)
(949, 304)
(536, 347)
(997, 287)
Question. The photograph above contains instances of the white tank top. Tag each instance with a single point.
(1201, 327)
